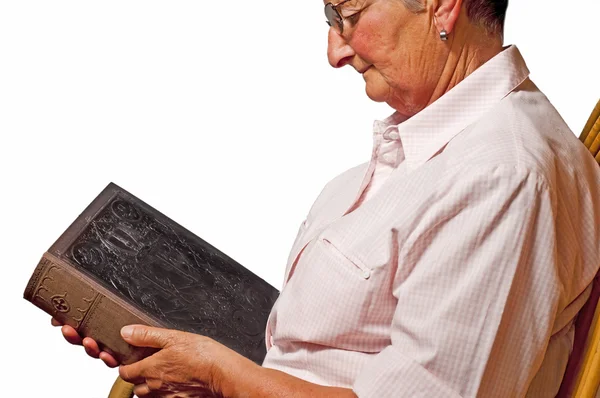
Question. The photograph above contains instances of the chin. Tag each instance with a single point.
(376, 94)
(376, 86)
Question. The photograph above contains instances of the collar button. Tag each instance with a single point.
(391, 135)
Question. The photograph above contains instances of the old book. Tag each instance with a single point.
(122, 262)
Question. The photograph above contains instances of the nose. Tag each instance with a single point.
(339, 52)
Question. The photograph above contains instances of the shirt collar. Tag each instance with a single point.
(426, 133)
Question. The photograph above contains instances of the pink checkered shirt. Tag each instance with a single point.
(454, 262)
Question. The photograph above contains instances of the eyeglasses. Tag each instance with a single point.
(334, 18)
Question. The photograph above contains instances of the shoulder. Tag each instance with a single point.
(524, 132)
(523, 145)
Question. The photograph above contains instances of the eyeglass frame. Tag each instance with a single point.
(335, 10)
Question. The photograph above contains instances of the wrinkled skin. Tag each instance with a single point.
(168, 372)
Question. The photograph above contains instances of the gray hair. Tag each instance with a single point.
(488, 13)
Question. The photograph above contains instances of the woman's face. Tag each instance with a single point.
(395, 50)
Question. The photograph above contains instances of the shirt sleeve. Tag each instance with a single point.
(477, 291)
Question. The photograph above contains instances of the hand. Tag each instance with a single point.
(90, 345)
(187, 364)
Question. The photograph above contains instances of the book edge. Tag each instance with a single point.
(129, 306)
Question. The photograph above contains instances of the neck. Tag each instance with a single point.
(468, 47)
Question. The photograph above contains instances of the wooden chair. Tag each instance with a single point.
(582, 377)
(121, 389)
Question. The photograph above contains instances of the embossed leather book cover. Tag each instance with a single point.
(122, 262)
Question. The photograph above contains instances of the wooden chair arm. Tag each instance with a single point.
(121, 389)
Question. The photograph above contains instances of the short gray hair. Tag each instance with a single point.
(488, 13)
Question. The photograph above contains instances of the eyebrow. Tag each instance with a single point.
(325, 2)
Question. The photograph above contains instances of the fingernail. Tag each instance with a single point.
(127, 331)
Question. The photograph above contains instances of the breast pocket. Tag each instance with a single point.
(352, 261)
(328, 299)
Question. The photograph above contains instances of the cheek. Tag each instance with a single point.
(371, 40)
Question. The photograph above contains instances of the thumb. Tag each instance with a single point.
(146, 336)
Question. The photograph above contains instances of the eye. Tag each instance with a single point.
(353, 19)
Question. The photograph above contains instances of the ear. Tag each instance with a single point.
(446, 13)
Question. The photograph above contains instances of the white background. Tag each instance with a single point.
(224, 115)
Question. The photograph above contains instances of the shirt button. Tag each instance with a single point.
(366, 274)
(391, 135)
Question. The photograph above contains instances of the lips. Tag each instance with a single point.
(364, 70)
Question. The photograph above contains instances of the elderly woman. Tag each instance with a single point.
(452, 264)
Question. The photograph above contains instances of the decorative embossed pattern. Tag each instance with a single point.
(174, 276)
(60, 303)
(73, 304)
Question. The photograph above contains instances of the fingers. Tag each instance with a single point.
(141, 390)
(108, 359)
(91, 347)
(93, 350)
(151, 388)
(71, 335)
(146, 336)
(133, 373)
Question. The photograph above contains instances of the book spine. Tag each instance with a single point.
(76, 300)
